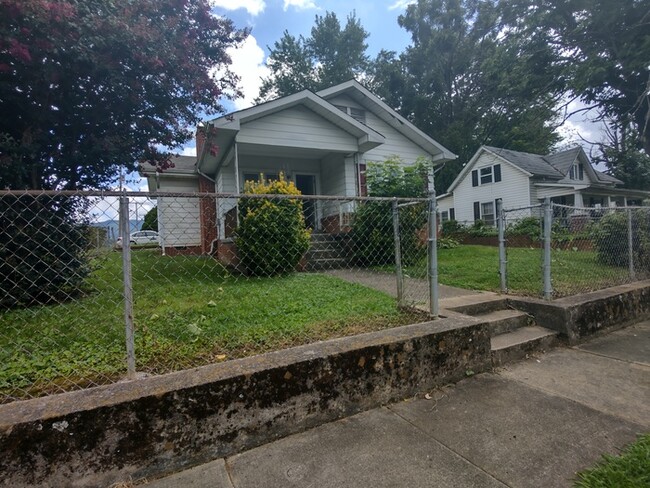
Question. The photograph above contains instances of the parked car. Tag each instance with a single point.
(141, 238)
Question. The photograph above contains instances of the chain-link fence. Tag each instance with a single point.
(521, 256)
(595, 248)
(553, 250)
(97, 286)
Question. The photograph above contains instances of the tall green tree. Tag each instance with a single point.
(330, 55)
(465, 83)
(603, 48)
(89, 86)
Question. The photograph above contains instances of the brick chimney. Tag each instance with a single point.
(200, 140)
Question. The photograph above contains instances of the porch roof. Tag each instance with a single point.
(229, 127)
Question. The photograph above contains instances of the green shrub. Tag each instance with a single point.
(447, 243)
(151, 220)
(610, 238)
(450, 227)
(481, 229)
(272, 235)
(528, 226)
(42, 250)
(372, 232)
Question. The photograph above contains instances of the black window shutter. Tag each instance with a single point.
(477, 211)
(475, 178)
(497, 172)
(452, 214)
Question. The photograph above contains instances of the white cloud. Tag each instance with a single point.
(253, 7)
(248, 64)
(400, 4)
(188, 151)
(299, 4)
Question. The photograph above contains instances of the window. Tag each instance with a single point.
(356, 113)
(444, 215)
(486, 175)
(487, 213)
(577, 172)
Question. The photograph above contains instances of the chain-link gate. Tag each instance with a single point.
(521, 257)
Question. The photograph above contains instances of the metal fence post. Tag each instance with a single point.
(433, 247)
(125, 230)
(503, 266)
(548, 222)
(630, 245)
(398, 256)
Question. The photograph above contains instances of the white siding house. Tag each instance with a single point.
(321, 141)
(521, 180)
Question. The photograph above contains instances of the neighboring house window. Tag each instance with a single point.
(452, 214)
(484, 211)
(577, 172)
(356, 113)
(486, 175)
(444, 215)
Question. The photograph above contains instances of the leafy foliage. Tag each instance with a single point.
(466, 84)
(42, 251)
(91, 86)
(610, 237)
(602, 48)
(151, 220)
(329, 56)
(528, 226)
(272, 235)
(372, 232)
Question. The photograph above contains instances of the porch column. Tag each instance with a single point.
(579, 202)
(208, 214)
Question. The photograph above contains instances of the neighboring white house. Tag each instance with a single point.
(321, 141)
(522, 179)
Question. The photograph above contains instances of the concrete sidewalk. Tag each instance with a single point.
(533, 424)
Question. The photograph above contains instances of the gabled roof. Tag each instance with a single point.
(534, 164)
(552, 167)
(181, 165)
(230, 124)
(372, 102)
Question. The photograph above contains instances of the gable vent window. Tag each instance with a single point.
(355, 113)
(486, 175)
(577, 172)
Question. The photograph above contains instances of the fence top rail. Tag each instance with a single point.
(602, 209)
(153, 195)
(527, 207)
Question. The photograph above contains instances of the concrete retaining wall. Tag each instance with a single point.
(581, 316)
(158, 425)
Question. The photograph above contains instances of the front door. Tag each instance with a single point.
(307, 186)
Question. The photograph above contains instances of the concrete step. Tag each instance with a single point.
(326, 263)
(481, 303)
(324, 237)
(508, 320)
(325, 252)
(520, 343)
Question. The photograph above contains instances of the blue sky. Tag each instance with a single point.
(268, 19)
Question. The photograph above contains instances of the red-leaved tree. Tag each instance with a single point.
(89, 86)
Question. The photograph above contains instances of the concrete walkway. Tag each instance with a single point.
(416, 290)
(533, 424)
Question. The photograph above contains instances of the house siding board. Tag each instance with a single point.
(513, 189)
(543, 192)
(396, 143)
(297, 127)
(180, 215)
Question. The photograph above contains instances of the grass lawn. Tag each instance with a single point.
(477, 268)
(188, 311)
(629, 470)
